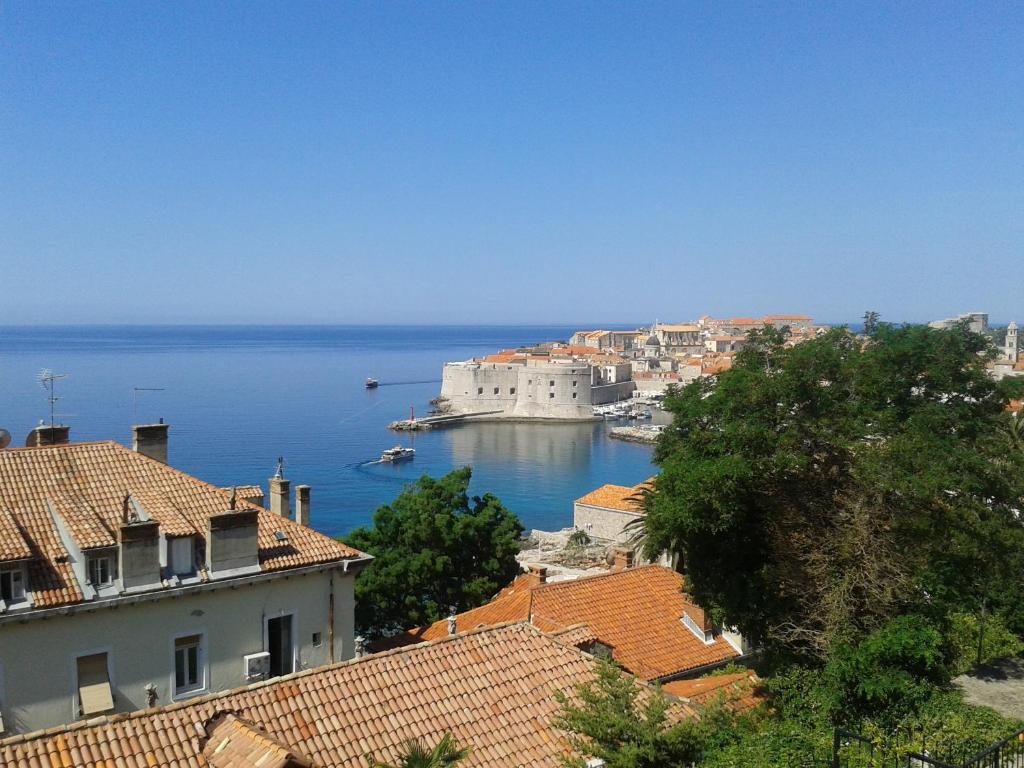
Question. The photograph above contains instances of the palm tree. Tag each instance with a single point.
(415, 755)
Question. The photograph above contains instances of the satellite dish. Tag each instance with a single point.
(5, 439)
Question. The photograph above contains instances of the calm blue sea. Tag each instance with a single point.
(237, 397)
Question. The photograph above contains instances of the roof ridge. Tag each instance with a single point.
(135, 714)
(25, 448)
(594, 576)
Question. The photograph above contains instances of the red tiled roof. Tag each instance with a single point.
(86, 484)
(637, 612)
(492, 690)
(739, 690)
(618, 497)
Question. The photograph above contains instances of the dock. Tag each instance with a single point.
(440, 420)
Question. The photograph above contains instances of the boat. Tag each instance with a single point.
(396, 454)
(372, 383)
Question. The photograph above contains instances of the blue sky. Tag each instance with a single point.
(509, 162)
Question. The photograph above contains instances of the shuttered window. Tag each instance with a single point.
(94, 694)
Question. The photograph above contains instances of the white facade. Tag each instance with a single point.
(543, 390)
(40, 653)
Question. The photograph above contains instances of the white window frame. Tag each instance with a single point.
(19, 570)
(76, 706)
(202, 666)
(296, 656)
(90, 558)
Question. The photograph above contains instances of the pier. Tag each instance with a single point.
(440, 420)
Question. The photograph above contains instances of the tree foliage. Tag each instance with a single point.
(445, 753)
(616, 720)
(817, 491)
(435, 550)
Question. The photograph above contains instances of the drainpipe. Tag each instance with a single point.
(330, 621)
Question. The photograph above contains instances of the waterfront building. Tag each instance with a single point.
(493, 690)
(127, 583)
(605, 514)
(641, 617)
(528, 388)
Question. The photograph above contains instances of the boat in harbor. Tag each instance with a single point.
(372, 383)
(396, 454)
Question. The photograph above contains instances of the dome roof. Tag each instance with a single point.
(652, 341)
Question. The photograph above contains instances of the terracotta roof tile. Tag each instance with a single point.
(739, 690)
(618, 497)
(86, 483)
(493, 690)
(638, 612)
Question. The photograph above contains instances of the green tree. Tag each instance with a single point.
(434, 549)
(871, 319)
(447, 752)
(616, 720)
(815, 492)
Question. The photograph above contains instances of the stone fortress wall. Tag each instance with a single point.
(532, 391)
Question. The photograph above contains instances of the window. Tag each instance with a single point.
(574, 395)
(479, 390)
(101, 570)
(94, 695)
(574, 383)
(318, 639)
(183, 561)
(511, 390)
(551, 395)
(551, 383)
(188, 675)
(496, 390)
(12, 584)
(279, 644)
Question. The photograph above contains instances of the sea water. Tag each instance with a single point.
(239, 397)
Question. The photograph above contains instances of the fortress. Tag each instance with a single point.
(531, 389)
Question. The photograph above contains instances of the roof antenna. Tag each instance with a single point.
(47, 379)
(279, 473)
(231, 500)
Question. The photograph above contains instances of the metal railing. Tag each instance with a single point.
(852, 750)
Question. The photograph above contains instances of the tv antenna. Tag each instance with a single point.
(135, 400)
(48, 380)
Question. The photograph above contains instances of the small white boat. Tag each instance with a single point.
(396, 454)
(372, 383)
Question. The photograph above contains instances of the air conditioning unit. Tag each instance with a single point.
(257, 665)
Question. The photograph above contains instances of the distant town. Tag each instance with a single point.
(590, 374)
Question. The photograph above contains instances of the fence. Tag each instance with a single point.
(851, 750)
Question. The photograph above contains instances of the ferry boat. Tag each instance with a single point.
(372, 383)
(396, 454)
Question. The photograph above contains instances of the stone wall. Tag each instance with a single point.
(600, 523)
(541, 391)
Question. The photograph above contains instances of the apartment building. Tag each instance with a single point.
(125, 583)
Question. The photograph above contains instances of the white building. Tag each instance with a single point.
(125, 583)
(530, 389)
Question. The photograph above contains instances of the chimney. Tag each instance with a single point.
(151, 440)
(48, 435)
(623, 559)
(453, 623)
(279, 490)
(302, 505)
(539, 573)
